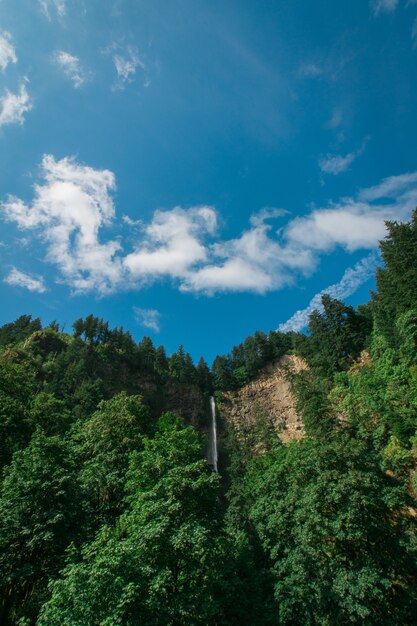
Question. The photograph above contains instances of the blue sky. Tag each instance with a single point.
(197, 170)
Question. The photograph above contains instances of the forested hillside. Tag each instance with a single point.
(110, 514)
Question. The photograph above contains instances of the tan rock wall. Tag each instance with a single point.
(269, 397)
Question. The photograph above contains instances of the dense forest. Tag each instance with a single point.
(110, 514)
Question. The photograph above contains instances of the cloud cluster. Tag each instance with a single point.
(20, 279)
(67, 212)
(7, 51)
(71, 67)
(351, 280)
(13, 106)
(73, 205)
(255, 261)
(172, 244)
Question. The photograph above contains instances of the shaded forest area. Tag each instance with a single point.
(109, 513)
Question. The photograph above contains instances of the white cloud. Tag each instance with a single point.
(71, 67)
(253, 262)
(7, 51)
(20, 279)
(355, 223)
(351, 280)
(400, 189)
(73, 205)
(383, 6)
(59, 6)
(13, 106)
(351, 225)
(336, 163)
(149, 318)
(172, 243)
(126, 64)
(67, 212)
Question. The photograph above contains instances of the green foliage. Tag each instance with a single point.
(204, 377)
(396, 458)
(379, 398)
(49, 414)
(222, 373)
(46, 342)
(337, 336)
(313, 405)
(160, 564)
(16, 390)
(40, 515)
(406, 326)
(396, 281)
(105, 442)
(161, 363)
(336, 532)
(246, 360)
(18, 330)
(92, 329)
(182, 367)
(146, 355)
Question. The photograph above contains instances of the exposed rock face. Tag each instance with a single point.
(268, 398)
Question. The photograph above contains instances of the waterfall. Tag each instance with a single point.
(213, 456)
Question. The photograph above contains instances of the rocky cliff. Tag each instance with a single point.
(267, 402)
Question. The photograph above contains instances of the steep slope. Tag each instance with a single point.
(268, 399)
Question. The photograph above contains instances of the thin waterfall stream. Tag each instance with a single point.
(213, 455)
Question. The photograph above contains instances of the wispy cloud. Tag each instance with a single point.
(383, 6)
(353, 278)
(7, 51)
(311, 70)
(336, 119)
(13, 106)
(57, 6)
(73, 206)
(327, 67)
(71, 67)
(336, 163)
(414, 32)
(149, 318)
(20, 279)
(126, 63)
